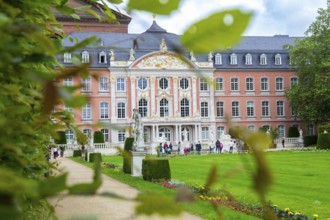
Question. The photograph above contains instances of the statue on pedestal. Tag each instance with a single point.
(137, 131)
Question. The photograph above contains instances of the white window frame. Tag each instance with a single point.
(294, 81)
(142, 83)
(219, 84)
(102, 57)
(121, 135)
(205, 133)
(184, 83)
(184, 107)
(250, 109)
(163, 108)
(234, 84)
(278, 59)
(233, 59)
(86, 112)
(218, 59)
(263, 59)
(203, 84)
(68, 81)
(235, 109)
(280, 108)
(249, 84)
(220, 131)
(279, 84)
(264, 84)
(310, 129)
(248, 59)
(85, 57)
(143, 107)
(120, 84)
(69, 135)
(220, 109)
(265, 109)
(204, 109)
(104, 110)
(163, 83)
(103, 84)
(105, 132)
(86, 85)
(67, 58)
(281, 130)
(121, 110)
(251, 127)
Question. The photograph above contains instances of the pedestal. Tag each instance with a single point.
(137, 157)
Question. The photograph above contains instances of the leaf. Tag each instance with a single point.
(50, 96)
(212, 177)
(152, 203)
(53, 185)
(218, 31)
(162, 7)
(85, 188)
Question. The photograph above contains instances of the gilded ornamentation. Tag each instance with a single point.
(163, 47)
(162, 61)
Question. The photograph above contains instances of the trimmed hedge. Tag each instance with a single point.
(310, 140)
(98, 137)
(76, 153)
(293, 132)
(323, 128)
(127, 158)
(156, 169)
(93, 156)
(61, 139)
(323, 141)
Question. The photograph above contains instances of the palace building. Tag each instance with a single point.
(191, 93)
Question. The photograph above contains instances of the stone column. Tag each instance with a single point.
(212, 103)
(175, 94)
(153, 96)
(196, 133)
(133, 92)
(194, 95)
(113, 99)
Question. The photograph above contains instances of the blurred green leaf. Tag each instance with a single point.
(85, 188)
(152, 203)
(162, 7)
(212, 177)
(53, 185)
(219, 31)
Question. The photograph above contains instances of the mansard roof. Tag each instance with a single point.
(150, 40)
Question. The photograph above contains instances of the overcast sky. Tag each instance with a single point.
(289, 17)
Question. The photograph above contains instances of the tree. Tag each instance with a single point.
(310, 98)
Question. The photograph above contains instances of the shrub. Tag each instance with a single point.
(76, 153)
(263, 129)
(310, 140)
(156, 170)
(323, 128)
(61, 139)
(98, 137)
(293, 132)
(323, 141)
(93, 156)
(127, 157)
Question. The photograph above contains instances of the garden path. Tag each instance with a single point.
(95, 206)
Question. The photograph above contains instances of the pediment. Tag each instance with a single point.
(162, 61)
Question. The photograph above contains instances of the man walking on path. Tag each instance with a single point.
(96, 206)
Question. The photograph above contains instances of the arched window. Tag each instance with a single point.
(263, 59)
(104, 110)
(219, 84)
(103, 84)
(87, 112)
(249, 84)
(102, 57)
(233, 59)
(184, 107)
(250, 109)
(85, 57)
(234, 84)
(143, 107)
(69, 137)
(278, 59)
(279, 84)
(248, 59)
(67, 58)
(163, 83)
(142, 83)
(164, 109)
(184, 83)
(218, 59)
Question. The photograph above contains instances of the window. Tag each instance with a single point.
(105, 134)
(86, 85)
(102, 57)
(184, 108)
(219, 84)
(143, 107)
(67, 58)
(204, 109)
(68, 81)
(278, 59)
(265, 108)
(310, 129)
(248, 59)
(87, 112)
(142, 83)
(220, 109)
(203, 84)
(163, 83)
(263, 59)
(281, 131)
(121, 135)
(184, 83)
(68, 109)
(250, 109)
(164, 111)
(120, 84)
(279, 84)
(233, 59)
(87, 132)
(249, 84)
(69, 137)
(121, 110)
(294, 81)
(218, 59)
(166, 133)
(103, 84)
(220, 131)
(251, 128)
(280, 108)
(104, 110)
(205, 133)
(264, 84)
(234, 84)
(235, 109)
(85, 57)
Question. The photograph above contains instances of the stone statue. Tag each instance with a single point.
(138, 131)
(163, 47)
(112, 55)
(300, 133)
(192, 57)
(185, 134)
(131, 54)
(210, 58)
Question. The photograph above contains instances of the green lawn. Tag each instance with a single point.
(301, 179)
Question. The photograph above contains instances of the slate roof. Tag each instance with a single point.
(149, 41)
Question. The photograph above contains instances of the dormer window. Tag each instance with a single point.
(248, 59)
(263, 59)
(67, 58)
(102, 57)
(278, 59)
(233, 59)
(85, 57)
(218, 59)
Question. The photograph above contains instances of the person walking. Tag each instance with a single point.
(179, 147)
(217, 147)
(198, 147)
